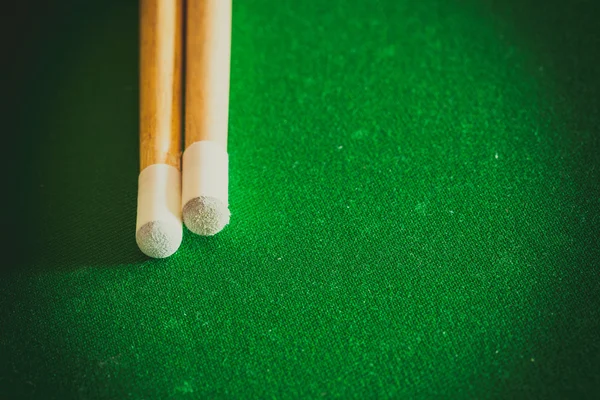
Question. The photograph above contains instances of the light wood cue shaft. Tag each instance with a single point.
(160, 82)
(208, 51)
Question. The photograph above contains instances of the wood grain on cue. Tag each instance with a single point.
(205, 174)
(160, 81)
(208, 50)
(159, 228)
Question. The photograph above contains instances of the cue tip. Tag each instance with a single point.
(159, 239)
(205, 215)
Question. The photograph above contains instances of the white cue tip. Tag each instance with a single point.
(159, 228)
(205, 216)
(205, 188)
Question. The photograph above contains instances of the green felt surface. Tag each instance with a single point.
(415, 196)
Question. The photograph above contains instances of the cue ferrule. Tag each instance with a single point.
(159, 225)
(206, 166)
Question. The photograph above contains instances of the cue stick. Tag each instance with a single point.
(205, 159)
(159, 227)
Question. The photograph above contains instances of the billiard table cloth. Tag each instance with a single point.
(415, 197)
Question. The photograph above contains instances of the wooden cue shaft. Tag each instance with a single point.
(208, 52)
(160, 82)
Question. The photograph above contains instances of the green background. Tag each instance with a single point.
(415, 197)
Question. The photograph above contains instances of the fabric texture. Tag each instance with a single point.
(414, 194)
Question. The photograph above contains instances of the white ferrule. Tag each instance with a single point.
(205, 172)
(159, 195)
